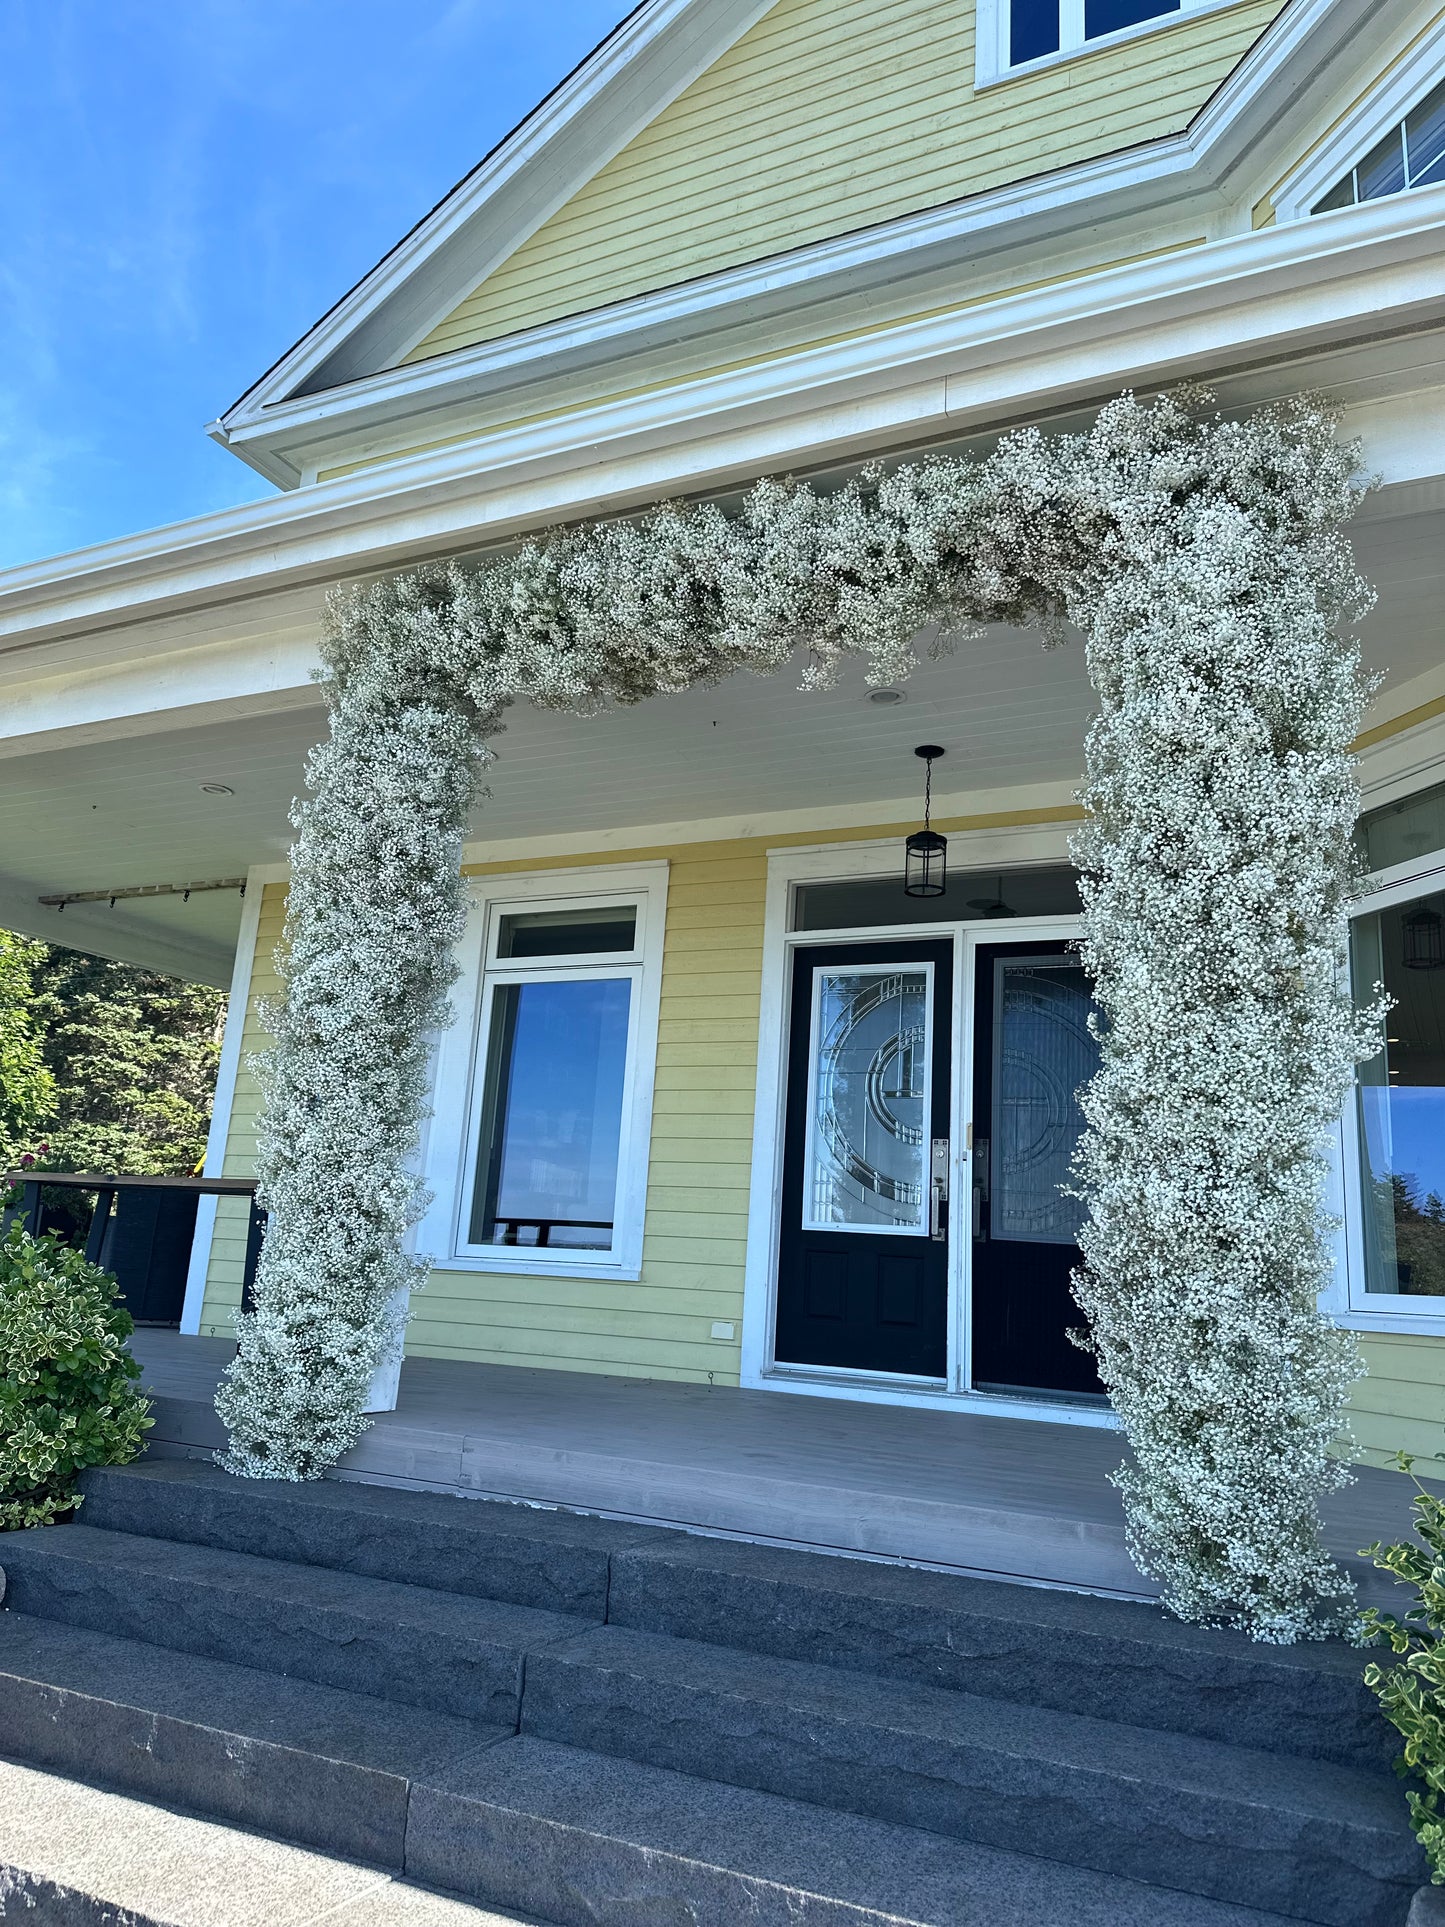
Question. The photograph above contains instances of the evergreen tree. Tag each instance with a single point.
(26, 1086)
(132, 1056)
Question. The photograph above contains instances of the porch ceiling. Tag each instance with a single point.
(131, 810)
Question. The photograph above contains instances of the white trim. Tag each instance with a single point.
(636, 72)
(992, 64)
(1416, 73)
(1152, 319)
(449, 1152)
(224, 1100)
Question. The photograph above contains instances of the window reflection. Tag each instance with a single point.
(552, 1115)
(1401, 1098)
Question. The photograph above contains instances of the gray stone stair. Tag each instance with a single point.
(520, 1554)
(710, 1731)
(306, 1763)
(1107, 1658)
(445, 1651)
(1315, 1840)
(582, 1840)
(558, 1834)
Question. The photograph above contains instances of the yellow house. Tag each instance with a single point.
(750, 1124)
(753, 237)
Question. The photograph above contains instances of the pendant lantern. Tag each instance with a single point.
(925, 863)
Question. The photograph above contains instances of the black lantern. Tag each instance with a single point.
(925, 869)
(1424, 940)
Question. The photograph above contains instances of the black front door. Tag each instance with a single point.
(863, 1251)
(1032, 1052)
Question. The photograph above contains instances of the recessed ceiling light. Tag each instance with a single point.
(886, 698)
(217, 789)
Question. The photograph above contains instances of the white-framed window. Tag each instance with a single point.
(1393, 1133)
(1388, 143)
(1408, 155)
(538, 1148)
(1018, 36)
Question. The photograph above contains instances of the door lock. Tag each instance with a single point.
(938, 1191)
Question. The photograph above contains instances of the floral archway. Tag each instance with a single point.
(1205, 562)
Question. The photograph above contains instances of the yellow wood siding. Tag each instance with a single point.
(828, 116)
(228, 1247)
(1401, 1405)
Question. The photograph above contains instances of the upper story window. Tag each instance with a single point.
(1034, 29)
(1412, 154)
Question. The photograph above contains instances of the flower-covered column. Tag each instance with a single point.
(374, 910)
(1217, 868)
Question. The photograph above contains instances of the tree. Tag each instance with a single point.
(132, 1057)
(26, 1085)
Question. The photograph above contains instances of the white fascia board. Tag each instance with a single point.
(186, 689)
(1256, 297)
(1204, 161)
(651, 58)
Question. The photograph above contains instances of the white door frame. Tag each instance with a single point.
(1004, 849)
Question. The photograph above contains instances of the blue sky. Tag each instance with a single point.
(188, 185)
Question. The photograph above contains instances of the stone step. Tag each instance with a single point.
(1307, 1839)
(79, 1856)
(305, 1763)
(1107, 1658)
(524, 1555)
(444, 1651)
(568, 1837)
(581, 1840)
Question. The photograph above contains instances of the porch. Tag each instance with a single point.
(1012, 1498)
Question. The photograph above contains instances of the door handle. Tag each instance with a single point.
(938, 1191)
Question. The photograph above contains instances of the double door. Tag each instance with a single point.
(913, 1245)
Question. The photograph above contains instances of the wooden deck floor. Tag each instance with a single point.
(1008, 1497)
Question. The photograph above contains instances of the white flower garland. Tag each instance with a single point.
(1205, 562)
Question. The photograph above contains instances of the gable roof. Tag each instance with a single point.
(351, 374)
(643, 64)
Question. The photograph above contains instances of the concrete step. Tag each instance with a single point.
(79, 1856)
(444, 1651)
(1307, 1839)
(1107, 1658)
(521, 1554)
(581, 1840)
(306, 1763)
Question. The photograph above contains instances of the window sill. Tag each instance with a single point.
(537, 1264)
(987, 77)
(1418, 1324)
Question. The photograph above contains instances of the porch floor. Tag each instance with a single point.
(1006, 1497)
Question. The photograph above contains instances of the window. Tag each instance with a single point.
(1400, 1099)
(1012, 33)
(1411, 154)
(870, 902)
(548, 1115)
(1395, 1134)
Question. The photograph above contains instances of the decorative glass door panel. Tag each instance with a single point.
(1032, 1054)
(1043, 1055)
(864, 1241)
(868, 1113)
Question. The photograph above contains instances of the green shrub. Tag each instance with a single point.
(1412, 1691)
(67, 1392)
